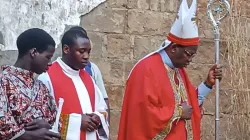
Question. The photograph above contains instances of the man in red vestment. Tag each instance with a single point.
(95, 73)
(84, 110)
(160, 103)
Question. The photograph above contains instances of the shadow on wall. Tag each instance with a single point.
(1, 38)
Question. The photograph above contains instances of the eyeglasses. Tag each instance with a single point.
(189, 54)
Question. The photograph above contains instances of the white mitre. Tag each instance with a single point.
(184, 30)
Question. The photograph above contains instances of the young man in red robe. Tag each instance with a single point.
(160, 103)
(84, 109)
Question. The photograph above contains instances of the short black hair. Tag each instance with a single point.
(33, 38)
(71, 35)
(78, 28)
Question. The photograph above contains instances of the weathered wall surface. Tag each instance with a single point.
(50, 15)
(123, 31)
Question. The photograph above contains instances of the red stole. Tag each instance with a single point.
(64, 88)
(149, 103)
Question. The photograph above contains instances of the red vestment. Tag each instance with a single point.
(64, 88)
(149, 103)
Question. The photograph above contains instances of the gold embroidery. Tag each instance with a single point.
(64, 125)
(180, 94)
(189, 130)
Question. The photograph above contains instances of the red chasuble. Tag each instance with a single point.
(149, 103)
(64, 88)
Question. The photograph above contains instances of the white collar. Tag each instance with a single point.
(66, 69)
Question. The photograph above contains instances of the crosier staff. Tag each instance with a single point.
(216, 27)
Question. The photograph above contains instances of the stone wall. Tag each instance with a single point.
(123, 31)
